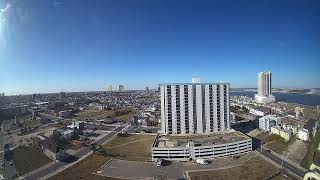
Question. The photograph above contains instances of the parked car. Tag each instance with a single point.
(159, 162)
(202, 161)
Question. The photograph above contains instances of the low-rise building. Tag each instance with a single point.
(88, 132)
(260, 111)
(48, 147)
(285, 134)
(292, 128)
(65, 114)
(64, 132)
(303, 134)
(266, 122)
(52, 150)
(77, 124)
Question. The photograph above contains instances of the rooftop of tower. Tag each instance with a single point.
(200, 140)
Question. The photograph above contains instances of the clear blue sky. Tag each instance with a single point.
(80, 45)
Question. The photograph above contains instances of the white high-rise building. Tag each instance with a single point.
(264, 95)
(194, 108)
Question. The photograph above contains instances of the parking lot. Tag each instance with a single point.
(142, 170)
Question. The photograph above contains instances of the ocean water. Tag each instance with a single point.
(306, 99)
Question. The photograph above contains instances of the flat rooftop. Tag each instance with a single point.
(200, 140)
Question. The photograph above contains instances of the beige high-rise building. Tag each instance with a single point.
(109, 87)
(264, 95)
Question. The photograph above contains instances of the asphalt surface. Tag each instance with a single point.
(142, 170)
(124, 169)
(289, 167)
(9, 170)
(80, 153)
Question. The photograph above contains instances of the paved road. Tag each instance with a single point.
(291, 168)
(37, 174)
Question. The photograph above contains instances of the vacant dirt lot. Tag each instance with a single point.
(255, 168)
(123, 114)
(297, 150)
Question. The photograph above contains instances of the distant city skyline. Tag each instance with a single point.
(85, 46)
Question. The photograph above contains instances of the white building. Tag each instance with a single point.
(303, 134)
(194, 108)
(264, 95)
(266, 122)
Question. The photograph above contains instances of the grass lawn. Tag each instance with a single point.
(308, 159)
(132, 147)
(255, 168)
(27, 159)
(84, 169)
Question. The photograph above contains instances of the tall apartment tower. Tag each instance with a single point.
(194, 108)
(264, 95)
(121, 87)
(109, 88)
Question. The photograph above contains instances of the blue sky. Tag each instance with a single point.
(80, 45)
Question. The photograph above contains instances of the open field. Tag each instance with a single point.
(84, 169)
(123, 114)
(275, 143)
(278, 146)
(255, 168)
(27, 159)
(132, 147)
(94, 114)
(266, 137)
